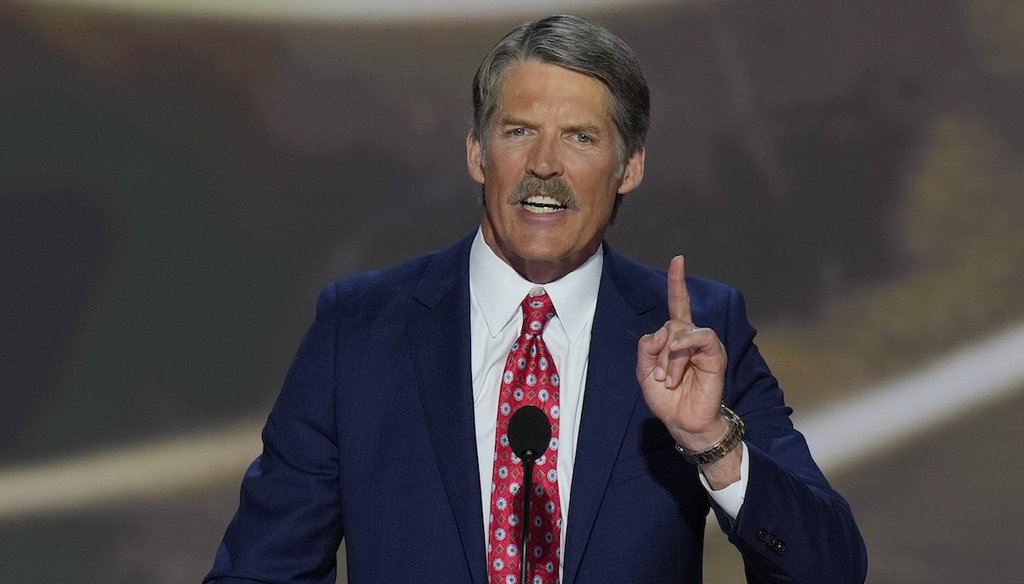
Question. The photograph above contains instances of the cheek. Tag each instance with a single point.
(500, 181)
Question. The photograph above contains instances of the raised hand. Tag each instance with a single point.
(681, 369)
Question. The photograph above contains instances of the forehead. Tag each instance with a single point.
(547, 88)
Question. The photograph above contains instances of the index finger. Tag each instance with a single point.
(678, 297)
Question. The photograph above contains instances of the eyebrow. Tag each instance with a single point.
(585, 129)
(514, 121)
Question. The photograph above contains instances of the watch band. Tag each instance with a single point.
(727, 444)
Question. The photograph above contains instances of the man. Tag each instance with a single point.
(392, 427)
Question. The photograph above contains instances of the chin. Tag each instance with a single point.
(541, 253)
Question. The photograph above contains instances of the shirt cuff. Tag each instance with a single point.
(730, 499)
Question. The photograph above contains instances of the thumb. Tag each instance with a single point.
(651, 344)
(647, 351)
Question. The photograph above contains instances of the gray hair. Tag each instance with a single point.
(580, 45)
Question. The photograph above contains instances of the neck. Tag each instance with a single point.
(538, 271)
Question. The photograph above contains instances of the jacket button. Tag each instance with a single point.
(772, 542)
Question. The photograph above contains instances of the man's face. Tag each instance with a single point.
(550, 170)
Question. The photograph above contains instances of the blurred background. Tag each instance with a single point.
(178, 179)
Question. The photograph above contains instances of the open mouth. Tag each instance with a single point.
(542, 204)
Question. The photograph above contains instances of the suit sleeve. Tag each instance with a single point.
(288, 525)
(793, 527)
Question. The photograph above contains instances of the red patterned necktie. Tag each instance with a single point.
(529, 378)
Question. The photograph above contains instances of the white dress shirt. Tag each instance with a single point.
(496, 292)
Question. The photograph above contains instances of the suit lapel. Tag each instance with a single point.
(623, 314)
(625, 311)
(441, 357)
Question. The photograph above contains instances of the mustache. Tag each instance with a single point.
(555, 188)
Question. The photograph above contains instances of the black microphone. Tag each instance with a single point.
(529, 431)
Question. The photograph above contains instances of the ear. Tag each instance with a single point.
(633, 174)
(474, 158)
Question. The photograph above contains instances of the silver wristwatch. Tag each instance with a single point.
(727, 444)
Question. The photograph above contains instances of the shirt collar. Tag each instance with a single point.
(498, 290)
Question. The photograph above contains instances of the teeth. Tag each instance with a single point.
(542, 204)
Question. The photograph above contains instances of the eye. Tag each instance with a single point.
(516, 132)
(583, 138)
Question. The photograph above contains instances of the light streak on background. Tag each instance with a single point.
(339, 9)
(839, 435)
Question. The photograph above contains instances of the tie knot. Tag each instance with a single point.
(537, 312)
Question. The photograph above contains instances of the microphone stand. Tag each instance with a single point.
(529, 432)
(524, 564)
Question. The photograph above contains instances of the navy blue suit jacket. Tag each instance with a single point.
(372, 439)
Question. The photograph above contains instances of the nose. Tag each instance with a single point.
(544, 161)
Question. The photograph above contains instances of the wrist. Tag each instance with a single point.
(721, 448)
